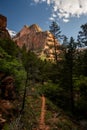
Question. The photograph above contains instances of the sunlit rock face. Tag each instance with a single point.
(36, 40)
(3, 24)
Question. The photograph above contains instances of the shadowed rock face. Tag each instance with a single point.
(3, 21)
(7, 97)
(3, 24)
(36, 40)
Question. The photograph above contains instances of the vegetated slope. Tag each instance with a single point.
(39, 113)
(50, 117)
(42, 114)
(7, 89)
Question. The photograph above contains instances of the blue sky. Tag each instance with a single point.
(70, 14)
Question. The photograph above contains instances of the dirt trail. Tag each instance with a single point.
(42, 125)
(42, 117)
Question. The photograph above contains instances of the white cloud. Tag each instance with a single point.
(66, 8)
(51, 19)
(11, 32)
(66, 20)
(54, 15)
(36, 1)
(48, 2)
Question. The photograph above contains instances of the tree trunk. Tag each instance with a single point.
(24, 96)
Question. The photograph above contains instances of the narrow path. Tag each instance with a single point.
(42, 117)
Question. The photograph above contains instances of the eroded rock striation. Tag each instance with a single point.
(36, 40)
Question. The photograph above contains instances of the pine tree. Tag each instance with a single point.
(55, 30)
(82, 36)
(67, 76)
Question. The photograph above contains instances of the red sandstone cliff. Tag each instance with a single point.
(36, 40)
(3, 24)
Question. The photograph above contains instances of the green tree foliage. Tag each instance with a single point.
(55, 30)
(64, 82)
(10, 47)
(45, 71)
(37, 69)
(81, 96)
(10, 63)
(82, 36)
(81, 62)
(32, 66)
(65, 41)
(67, 72)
